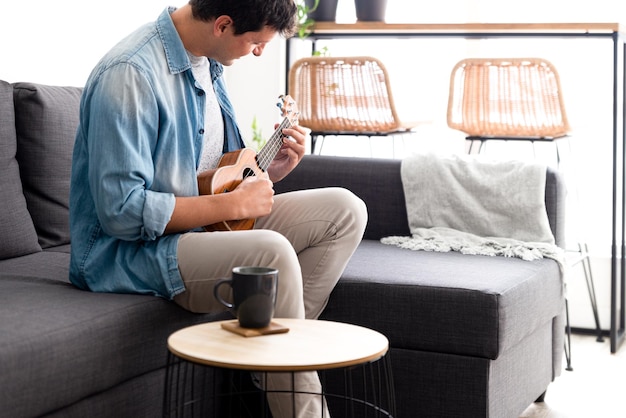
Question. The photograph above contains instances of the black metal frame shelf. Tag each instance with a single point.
(606, 31)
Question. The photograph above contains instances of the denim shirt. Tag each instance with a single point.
(138, 145)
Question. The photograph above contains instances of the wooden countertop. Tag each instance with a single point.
(321, 28)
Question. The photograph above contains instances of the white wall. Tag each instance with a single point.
(58, 42)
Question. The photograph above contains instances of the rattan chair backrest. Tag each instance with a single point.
(343, 94)
(507, 97)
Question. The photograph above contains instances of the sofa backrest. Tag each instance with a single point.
(37, 131)
(17, 232)
(375, 180)
(378, 182)
(46, 118)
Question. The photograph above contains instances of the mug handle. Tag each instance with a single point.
(216, 292)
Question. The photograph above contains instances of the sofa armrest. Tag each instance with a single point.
(378, 182)
(556, 193)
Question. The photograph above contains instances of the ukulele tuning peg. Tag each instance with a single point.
(281, 102)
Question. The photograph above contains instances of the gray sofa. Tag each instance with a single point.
(470, 336)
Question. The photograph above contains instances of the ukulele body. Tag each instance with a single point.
(233, 168)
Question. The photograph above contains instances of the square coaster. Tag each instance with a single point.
(272, 328)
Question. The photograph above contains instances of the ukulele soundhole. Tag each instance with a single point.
(247, 172)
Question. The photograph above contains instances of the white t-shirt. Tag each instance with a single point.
(213, 124)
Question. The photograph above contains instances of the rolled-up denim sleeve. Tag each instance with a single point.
(157, 212)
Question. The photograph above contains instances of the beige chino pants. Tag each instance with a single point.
(309, 237)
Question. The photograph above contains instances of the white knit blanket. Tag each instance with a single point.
(476, 206)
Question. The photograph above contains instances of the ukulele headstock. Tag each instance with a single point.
(288, 108)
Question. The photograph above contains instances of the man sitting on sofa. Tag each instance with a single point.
(154, 114)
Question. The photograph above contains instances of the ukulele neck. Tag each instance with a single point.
(269, 151)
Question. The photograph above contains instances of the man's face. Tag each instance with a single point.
(234, 46)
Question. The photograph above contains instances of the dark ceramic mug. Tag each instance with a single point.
(254, 295)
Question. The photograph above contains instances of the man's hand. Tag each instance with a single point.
(255, 196)
(251, 199)
(289, 154)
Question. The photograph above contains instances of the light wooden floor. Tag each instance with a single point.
(596, 388)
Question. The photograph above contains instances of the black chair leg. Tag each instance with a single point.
(313, 141)
(568, 340)
(584, 250)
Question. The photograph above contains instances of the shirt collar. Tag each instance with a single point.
(177, 59)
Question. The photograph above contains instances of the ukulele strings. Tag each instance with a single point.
(266, 155)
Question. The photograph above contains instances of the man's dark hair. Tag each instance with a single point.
(250, 15)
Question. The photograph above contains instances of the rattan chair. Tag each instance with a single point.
(507, 99)
(515, 99)
(345, 96)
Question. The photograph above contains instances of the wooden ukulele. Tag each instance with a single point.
(235, 166)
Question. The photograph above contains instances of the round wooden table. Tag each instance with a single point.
(351, 360)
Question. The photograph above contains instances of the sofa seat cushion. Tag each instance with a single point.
(446, 302)
(16, 226)
(60, 344)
